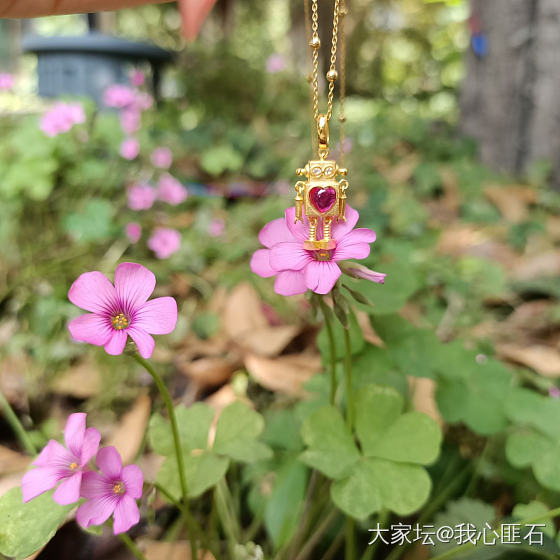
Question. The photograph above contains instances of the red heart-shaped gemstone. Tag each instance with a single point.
(323, 199)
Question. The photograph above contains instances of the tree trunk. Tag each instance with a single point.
(510, 100)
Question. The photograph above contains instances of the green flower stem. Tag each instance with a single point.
(176, 442)
(348, 371)
(131, 545)
(467, 546)
(350, 539)
(226, 515)
(317, 536)
(332, 348)
(16, 426)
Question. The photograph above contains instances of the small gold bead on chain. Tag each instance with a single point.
(315, 42)
(332, 75)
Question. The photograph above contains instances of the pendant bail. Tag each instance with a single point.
(323, 135)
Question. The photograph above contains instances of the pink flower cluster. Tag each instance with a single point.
(61, 117)
(297, 269)
(130, 102)
(112, 491)
(119, 311)
(6, 81)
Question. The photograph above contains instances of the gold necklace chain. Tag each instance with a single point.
(332, 74)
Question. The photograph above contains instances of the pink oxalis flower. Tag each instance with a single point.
(130, 119)
(130, 148)
(216, 227)
(133, 231)
(6, 81)
(66, 465)
(162, 157)
(113, 491)
(137, 77)
(119, 96)
(170, 190)
(275, 63)
(61, 117)
(122, 310)
(141, 197)
(298, 270)
(164, 242)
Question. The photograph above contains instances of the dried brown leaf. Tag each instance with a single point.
(269, 341)
(81, 381)
(285, 374)
(543, 359)
(177, 550)
(208, 372)
(512, 201)
(543, 264)
(423, 397)
(128, 435)
(243, 312)
(11, 461)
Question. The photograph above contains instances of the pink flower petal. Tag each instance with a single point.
(74, 432)
(275, 232)
(95, 512)
(340, 229)
(260, 263)
(68, 492)
(53, 452)
(134, 283)
(289, 256)
(290, 283)
(94, 485)
(91, 328)
(351, 251)
(359, 235)
(115, 345)
(38, 480)
(126, 515)
(93, 292)
(157, 316)
(109, 461)
(144, 342)
(90, 446)
(133, 481)
(321, 276)
(299, 230)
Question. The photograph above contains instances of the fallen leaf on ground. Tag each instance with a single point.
(512, 201)
(423, 397)
(128, 435)
(368, 332)
(81, 381)
(11, 461)
(543, 359)
(178, 550)
(243, 312)
(269, 341)
(285, 374)
(208, 372)
(400, 173)
(531, 268)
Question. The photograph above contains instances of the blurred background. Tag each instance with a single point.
(452, 149)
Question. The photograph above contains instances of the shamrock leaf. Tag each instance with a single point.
(236, 439)
(387, 474)
(536, 442)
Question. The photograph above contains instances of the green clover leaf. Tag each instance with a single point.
(236, 439)
(388, 472)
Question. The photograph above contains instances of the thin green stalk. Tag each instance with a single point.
(131, 545)
(467, 546)
(227, 519)
(317, 536)
(332, 348)
(350, 539)
(372, 548)
(348, 372)
(176, 441)
(16, 426)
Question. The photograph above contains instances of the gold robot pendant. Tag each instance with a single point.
(321, 197)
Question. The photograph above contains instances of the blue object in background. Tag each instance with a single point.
(479, 44)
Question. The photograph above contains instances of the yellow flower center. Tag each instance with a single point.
(120, 321)
(73, 466)
(118, 488)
